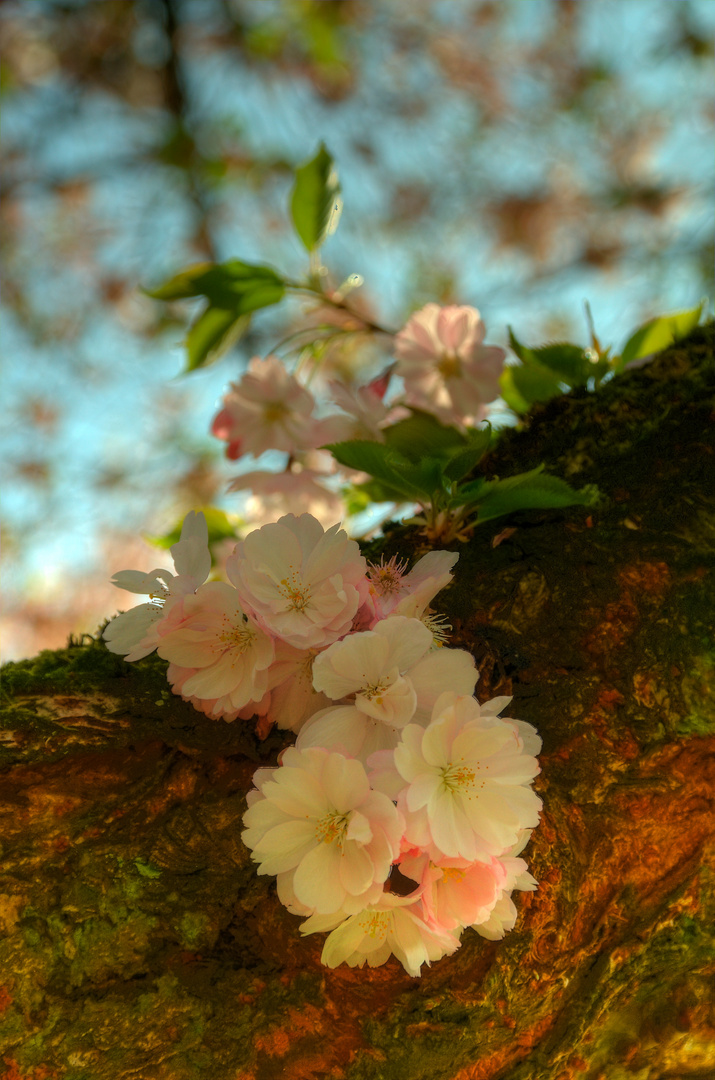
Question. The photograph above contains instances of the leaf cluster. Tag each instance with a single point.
(426, 462)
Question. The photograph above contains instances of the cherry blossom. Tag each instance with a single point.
(504, 914)
(290, 492)
(267, 410)
(317, 818)
(455, 892)
(229, 651)
(133, 634)
(445, 367)
(304, 584)
(467, 777)
(394, 591)
(391, 676)
(394, 925)
(219, 708)
(293, 698)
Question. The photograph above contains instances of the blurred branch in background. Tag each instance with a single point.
(520, 157)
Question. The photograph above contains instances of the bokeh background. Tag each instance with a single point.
(521, 155)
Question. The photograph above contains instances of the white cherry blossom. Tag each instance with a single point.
(304, 584)
(390, 676)
(395, 925)
(133, 634)
(316, 818)
(466, 781)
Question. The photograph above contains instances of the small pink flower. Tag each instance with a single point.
(456, 893)
(304, 584)
(396, 592)
(267, 410)
(229, 652)
(445, 367)
(291, 492)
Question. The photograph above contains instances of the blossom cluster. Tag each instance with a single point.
(396, 820)
(442, 367)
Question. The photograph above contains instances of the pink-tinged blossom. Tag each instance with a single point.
(316, 818)
(396, 592)
(304, 584)
(134, 633)
(456, 893)
(215, 708)
(504, 914)
(466, 781)
(293, 698)
(291, 492)
(229, 651)
(267, 410)
(395, 925)
(390, 676)
(445, 366)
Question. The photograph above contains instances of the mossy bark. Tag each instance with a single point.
(138, 941)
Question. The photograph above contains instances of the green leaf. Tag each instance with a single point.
(316, 199)
(462, 463)
(421, 435)
(361, 496)
(379, 460)
(211, 335)
(224, 285)
(522, 351)
(533, 382)
(509, 392)
(532, 490)
(658, 334)
(567, 361)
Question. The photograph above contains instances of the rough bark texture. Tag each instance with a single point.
(138, 941)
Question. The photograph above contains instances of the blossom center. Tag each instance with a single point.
(238, 638)
(449, 366)
(274, 412)
(374, 923)
(457, 777)
(387, 576)
(375, 691)
(438, 627)
(296, 593)
(331, 827)
(452, 873)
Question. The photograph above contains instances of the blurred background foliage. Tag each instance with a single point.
(520, 155)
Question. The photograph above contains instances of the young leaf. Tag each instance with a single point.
(567, 361)
(228, 285)
(522, 351)
(211, 334)
(421, 435)
(534, 382)
(462, 463)
(316, 199)
(516, 402)
(380, 461)
(658, 334)
(532, 490)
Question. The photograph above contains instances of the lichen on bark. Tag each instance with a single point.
(138, 941)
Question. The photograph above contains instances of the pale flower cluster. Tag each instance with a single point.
(442, 366)
(395, 821)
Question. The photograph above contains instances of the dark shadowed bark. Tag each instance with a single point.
(138, 941)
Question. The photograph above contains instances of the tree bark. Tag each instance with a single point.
(139, 942)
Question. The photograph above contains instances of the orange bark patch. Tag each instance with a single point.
(5, 998)
(652, 578)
